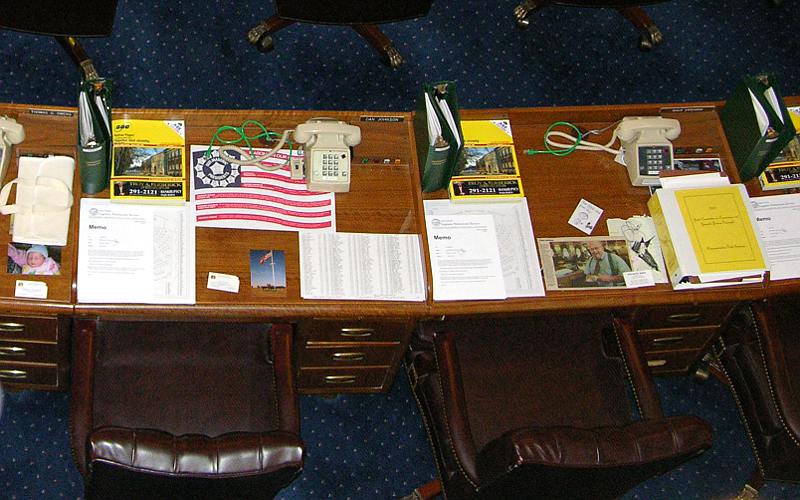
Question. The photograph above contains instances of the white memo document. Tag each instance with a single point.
(465, 261)
(135, 253)
(518, 256)
(778, 222)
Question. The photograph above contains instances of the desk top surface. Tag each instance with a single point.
(385, 198)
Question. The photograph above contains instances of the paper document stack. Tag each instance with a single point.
(707, 236)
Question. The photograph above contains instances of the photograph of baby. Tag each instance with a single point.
(40, 260)
(268, 270)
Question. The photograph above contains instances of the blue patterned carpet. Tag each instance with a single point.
(194, 55)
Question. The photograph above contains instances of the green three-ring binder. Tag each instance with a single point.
(757, 124)
(437, 148)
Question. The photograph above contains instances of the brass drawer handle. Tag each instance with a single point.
(12, 351)
(13, 374)
(349, 356)
(668, 340)
(12, 327)
(684, 317)
(340, 379)
(356, 332)
(653, 363)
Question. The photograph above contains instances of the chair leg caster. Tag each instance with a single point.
(523, 10)
(391, 57)
(260, 38)
(427, 491)
(650, 37)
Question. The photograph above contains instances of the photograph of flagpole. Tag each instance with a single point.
(267, 269)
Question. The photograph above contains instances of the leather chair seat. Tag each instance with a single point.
(184, 410)
(760, 359)
(540, 407)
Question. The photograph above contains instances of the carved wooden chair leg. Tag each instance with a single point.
(650, 34)
(389, 53)
(261, 35)
(426, 491)
(79, 56)
(523, 10)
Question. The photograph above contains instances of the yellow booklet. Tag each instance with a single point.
(487, 168)
(720, 229)
(708, 236)
(148, 163)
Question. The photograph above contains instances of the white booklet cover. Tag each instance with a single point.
(135, 253)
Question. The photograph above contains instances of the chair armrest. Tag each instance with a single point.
(193, 455)
(591, 463)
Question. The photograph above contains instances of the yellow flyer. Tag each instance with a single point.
(148, 161)
(487, 168)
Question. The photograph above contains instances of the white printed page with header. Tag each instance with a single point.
(778, 222)
(518, 256)
(465, 261)
(135, 253)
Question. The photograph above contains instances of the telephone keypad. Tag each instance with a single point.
(654, 159)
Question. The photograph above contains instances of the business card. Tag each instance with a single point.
(223, 282)
(30, 289)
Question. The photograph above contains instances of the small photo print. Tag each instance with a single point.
(486, 160)
(40, 260)
(268, 270)
(148, 162)
(581, 263)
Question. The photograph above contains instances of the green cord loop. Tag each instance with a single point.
(243, 137)
(557, 152)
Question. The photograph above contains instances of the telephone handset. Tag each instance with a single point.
(11, 132)
(327, 153)
(648, 150)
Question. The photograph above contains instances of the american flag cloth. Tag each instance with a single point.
(246, 197)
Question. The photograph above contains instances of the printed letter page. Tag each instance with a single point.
(465, 261)
(135, 253)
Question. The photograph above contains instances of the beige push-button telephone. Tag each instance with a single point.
(327, 145)
(648, 150)
(11, 132)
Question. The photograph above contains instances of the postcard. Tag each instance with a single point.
(584, 262)
(268, 270)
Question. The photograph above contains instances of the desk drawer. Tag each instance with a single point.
(335, 380)
(17, 351)
(29, 328)
(671, 362)
(349, 355)
(680, 316)
(352, 331)
(676, 339)
(29, 375)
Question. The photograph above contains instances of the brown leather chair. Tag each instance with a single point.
(650, 35)
(538, 407)
(184, 409)
(361, 15)
(760, 360)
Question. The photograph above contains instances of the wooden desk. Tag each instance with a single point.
(385, 198)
